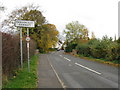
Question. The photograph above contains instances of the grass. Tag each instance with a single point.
(114, 63)
(25, 79)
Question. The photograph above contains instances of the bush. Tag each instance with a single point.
(70, 47)
(11, 53)
(98, 49)
(83, 49)
(104, 49)
(111, 51)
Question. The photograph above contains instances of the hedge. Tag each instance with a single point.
(11, 53)
(105, 48)
(109, 50)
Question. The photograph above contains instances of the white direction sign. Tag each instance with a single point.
(24, 23)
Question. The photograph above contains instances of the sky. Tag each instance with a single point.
(99, 16)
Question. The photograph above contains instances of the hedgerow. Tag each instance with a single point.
(106, 48)
(11, 53)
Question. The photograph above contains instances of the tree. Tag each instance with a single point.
(93, 35)
(85, 34)
(75, 31)
(48, 37)
(43, 33)
(19, 13)
(34, 15)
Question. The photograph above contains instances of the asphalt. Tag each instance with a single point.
(74, 72)
(47, 77)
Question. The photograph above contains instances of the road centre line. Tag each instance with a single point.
(88, 68)
(61, 55)
(83, 66)
(67, 59)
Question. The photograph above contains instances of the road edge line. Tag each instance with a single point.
(61, 82)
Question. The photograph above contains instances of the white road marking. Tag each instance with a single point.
(88, 68)
(67, 59)
(83, 66)
(61, 82)
(61, 55)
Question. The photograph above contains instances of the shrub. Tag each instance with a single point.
(104, 49)
(111, 51)
(11, 53)
(98, 50)
(83, 49)
(70, 47)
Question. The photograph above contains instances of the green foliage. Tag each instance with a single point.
(98, 49)
(70, 47)
(23, 78)
(105, 48)
(83, 49)
(34, 15)
(118, 41)
(19, 14)
(48, 37)
(102, 49)
(43, 33)
(74, 30)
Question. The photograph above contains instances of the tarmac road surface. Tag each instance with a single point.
(58, 70)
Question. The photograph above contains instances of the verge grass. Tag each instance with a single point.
(114, 62)
(23, 78)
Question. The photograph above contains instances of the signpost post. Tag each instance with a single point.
(21, 47)
(28, 39)
(20, 24)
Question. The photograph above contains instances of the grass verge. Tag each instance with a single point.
(23, 78)
(114, 63)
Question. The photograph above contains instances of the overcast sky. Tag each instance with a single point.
(99, 16)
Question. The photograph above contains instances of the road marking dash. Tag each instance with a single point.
(88, 68)
(67, 59)
(61, 55)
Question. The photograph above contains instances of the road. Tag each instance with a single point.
(73, 72)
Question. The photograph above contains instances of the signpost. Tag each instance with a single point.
(21, 47)
(24, 23)
(20, 24)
